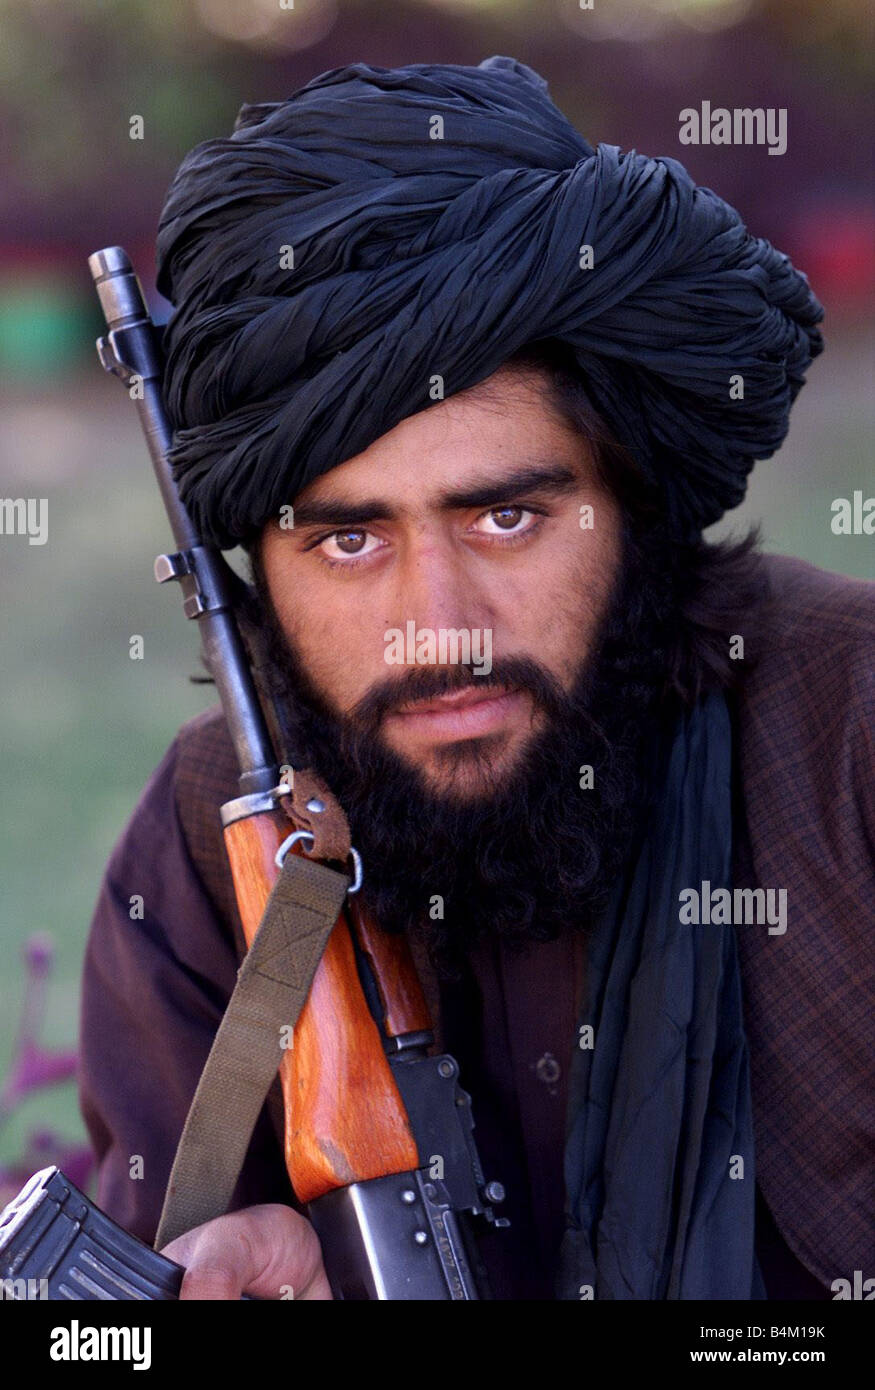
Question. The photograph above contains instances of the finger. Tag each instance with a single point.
(291, 1265)
(218, 1259)
(268, 1251)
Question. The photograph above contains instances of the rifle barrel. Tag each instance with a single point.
(131, 351)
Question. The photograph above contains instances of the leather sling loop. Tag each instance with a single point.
(272, 986)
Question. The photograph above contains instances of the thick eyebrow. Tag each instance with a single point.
(556, 478)
(491, 492)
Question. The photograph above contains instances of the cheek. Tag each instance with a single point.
(338, 642)
(319, 622)
(328, 651)
(554, 611)
(596, 564)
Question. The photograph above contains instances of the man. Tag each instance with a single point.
(443, 369)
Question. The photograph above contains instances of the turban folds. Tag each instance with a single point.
(342, 248)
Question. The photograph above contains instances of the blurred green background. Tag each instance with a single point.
(82, 725)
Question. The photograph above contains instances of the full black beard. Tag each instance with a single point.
(536, 853)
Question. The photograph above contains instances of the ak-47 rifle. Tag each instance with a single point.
(368, 1111)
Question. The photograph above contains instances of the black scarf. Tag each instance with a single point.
(659, 1164)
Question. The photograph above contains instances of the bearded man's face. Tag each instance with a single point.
(476, 528)
(492, 802)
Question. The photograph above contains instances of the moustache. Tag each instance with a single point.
(511, 673)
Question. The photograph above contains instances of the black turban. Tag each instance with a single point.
(419, 252)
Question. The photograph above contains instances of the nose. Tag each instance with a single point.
(436, 586)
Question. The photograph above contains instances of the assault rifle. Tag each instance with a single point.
(379, 1142)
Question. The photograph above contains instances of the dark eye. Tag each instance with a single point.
(348, 543)
(504, 519)
(507, 517)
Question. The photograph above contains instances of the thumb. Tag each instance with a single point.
(268, 1251)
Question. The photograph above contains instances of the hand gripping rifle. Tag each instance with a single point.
(379, 1145)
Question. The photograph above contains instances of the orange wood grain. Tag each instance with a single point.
(405, 1009)
(345, 1120)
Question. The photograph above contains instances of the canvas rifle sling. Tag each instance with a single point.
(272, 986)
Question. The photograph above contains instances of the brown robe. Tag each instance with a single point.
(154, 990)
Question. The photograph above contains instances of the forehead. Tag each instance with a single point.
(488, 432)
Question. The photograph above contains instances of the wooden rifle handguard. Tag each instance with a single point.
(345, 1120)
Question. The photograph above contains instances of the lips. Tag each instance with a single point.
(468, 713)
(458, 699)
